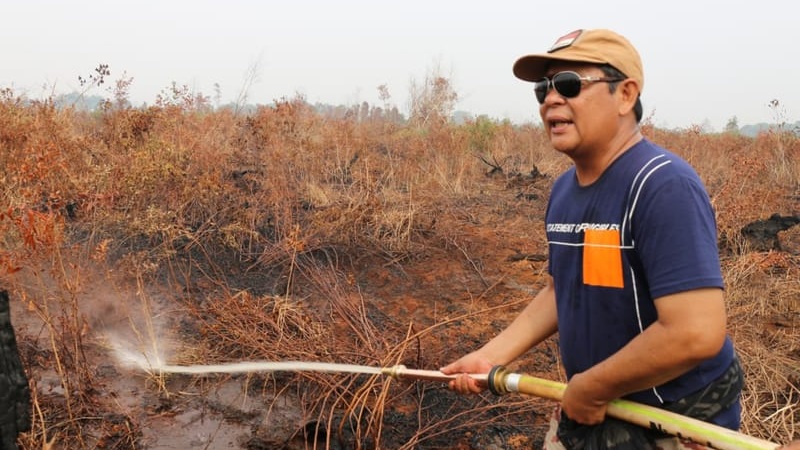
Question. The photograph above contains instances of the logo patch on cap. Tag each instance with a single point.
(565, 41)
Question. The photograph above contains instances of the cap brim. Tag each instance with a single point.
(534, 67)
(531, 67)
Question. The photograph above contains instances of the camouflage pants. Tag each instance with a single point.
(551, 441)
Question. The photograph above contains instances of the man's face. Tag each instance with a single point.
(584, 124)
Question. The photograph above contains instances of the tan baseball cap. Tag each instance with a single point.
(591, 46)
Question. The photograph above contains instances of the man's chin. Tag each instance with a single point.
(562, 146)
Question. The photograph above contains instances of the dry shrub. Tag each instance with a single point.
(266, 328)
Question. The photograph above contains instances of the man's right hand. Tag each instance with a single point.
(473, 363)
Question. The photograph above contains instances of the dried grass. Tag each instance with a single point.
(763, 293)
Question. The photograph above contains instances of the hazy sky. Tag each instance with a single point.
(704, 60)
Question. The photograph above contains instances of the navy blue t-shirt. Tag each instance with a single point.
(643, 230)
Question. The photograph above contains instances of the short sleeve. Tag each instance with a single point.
(675, 236)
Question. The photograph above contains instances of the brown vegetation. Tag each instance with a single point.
(286, 234)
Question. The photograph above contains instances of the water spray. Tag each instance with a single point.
(500, 382)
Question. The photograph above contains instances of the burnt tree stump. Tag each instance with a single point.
(15, 396)
(763, 234)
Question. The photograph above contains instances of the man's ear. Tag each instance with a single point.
(628, 91)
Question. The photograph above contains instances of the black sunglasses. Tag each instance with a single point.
(567, 84)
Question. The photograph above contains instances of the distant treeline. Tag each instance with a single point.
(754, 130)
(93, 102)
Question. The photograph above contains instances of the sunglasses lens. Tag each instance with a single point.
(568, 84)
(540, 88)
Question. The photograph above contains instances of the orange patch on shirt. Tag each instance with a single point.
(602, 258)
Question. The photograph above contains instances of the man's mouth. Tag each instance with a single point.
(559, 123)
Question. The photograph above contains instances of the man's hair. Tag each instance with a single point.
(611, 72)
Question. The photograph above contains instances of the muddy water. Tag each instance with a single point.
(222, 411)
(218, 416)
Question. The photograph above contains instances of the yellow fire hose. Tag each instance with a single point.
(500, 381)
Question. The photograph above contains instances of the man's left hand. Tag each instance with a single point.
(579, 405)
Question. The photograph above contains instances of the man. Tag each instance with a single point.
(635, 289)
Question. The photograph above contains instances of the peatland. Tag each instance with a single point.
(192, 234)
